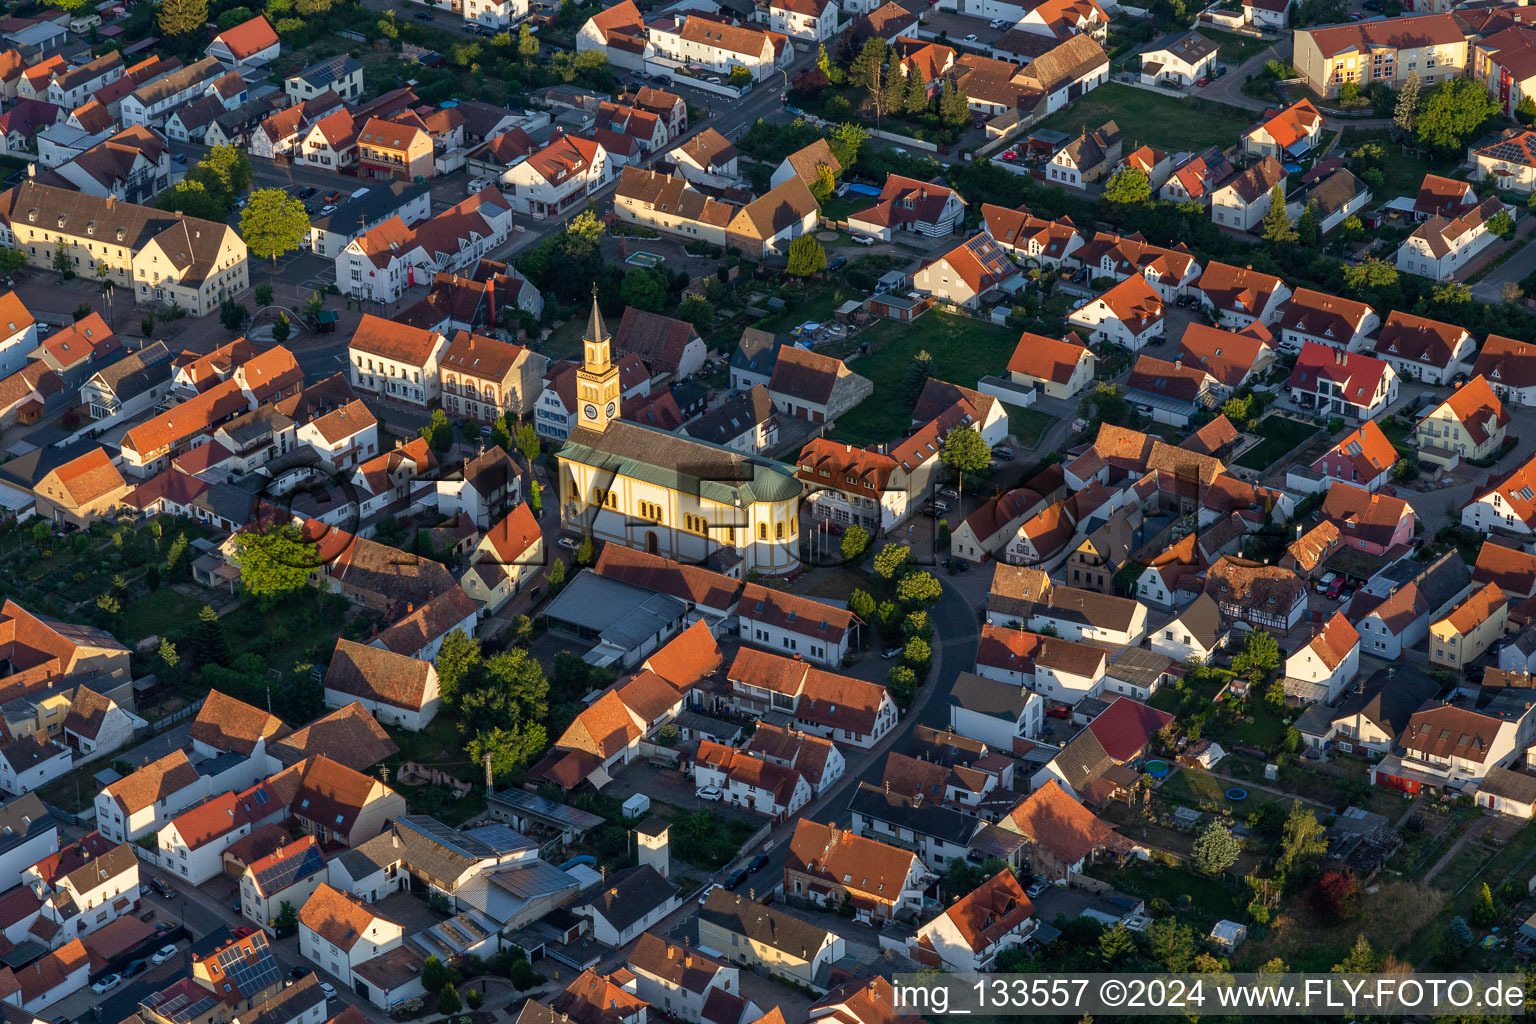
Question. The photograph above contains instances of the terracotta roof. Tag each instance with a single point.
(248, 38)
(1333, 644)
(1511, 568)
(1400, 33)
(1021, 651)
(1445, 197)
(45, 976)
(653, 572)
(1134, 303)
(806, 375)
(1046, 358)
(1238, 289)
(1507, 362)
(1172, 380)
(1324, 316)
(195, 416)
(845, 468)
(1363, 515)
(1127, 726)
(1257, 180)
(808, 160)
(337, 919)
(795, 614)
(866, 867)
(687, 658)
(1421, 340)
(1019, 228)
(1252, 585)
(1051, 817)
(428, 621)
(1226, 356)
(623, 15)
(1309, 550)
(660, 340)
(380, 337)
(84, 339)
(840, 702)
(1289, 126)
(350, 735)
(378, 675)
(1369, 449)
(1478, 608)
(678, 965)
(89, 477)
(225, 723)
(993, 909)
(604, 728)
(1122, 255)
(1477, 408)
(1449, 731)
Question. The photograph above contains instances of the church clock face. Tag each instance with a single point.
(590, 411)
(611, 410)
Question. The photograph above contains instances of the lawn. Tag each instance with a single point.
(156, 614)
(1210, 900)
(1403, 170)
(1028, 425)
(1280, 434)
(1235, 49)
(963, 351)
(1167, 122)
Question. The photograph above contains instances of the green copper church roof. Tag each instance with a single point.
(693, 467)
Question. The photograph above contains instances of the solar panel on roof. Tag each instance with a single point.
(250, 972)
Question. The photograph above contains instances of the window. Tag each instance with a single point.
(762, 531)
(778, 531)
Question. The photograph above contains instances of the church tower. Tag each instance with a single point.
(597, 382)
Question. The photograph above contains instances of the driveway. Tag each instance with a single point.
(1519, 266)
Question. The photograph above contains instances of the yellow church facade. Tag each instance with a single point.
(624, 483)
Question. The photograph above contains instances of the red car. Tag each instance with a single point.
(1202, 83)
(1060, 711)
(1335, 588)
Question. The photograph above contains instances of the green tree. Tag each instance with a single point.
(11, 260)
(1525, 111)
(1484, 914)
(1277, 223)
(1361, 959)
(1216, 849)
(282, 327)
(1301, 840)
(740, 76)
(208, 644)
(1306, 226)
(1259, 657)
(1454, 112)
(1502, 224)
(698, 311)
(644, 289)
(1349, 92)
(916, 99)
(1115, 944)
(181, 17)
(1129, 186)
(61, 262)
(965, 451)
(917, 653)
(535, 497)
(527, 44)
(233, 315)
(1238, 408)
(1171, 944)
(825, 184)
(862, 605)
(867, 68)
(263, 295)
(556, 575)
(954, 108)
(274, 562)
(1452, 293)
(847, 141)
(806, 256)
(274, 222)
(918, 588)
(586, 554)
(528, 442)
(191, 197)
(854, 543)
(287, 920)
(902, 682)
(1405, 114)
(508, 748)
(458, 661)
(891, 560)
(226, 170)
(169, 662)
(1371, 272)
(438, 432)
(835, 75)
(448, 1002)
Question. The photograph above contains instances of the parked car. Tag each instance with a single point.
(949, 492)
(1060, 711)
(1004, 452)
(1036, 889)
(757, 863)
(307, 191)
(838, 264)
(859, 238)
(107, 984)
(165, 953)
(1326, 582)
(1201, 83)
(704, 896)
(891, 652)
(710, 793)
(424, 16)
(163, 887)
(297, 972)
(971, 38)
(568, 543)
(734, 879)
(1221, 70)
(333, 197)
(138, 966)
(1335, 588)
(327, 209)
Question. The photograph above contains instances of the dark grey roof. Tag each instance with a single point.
(328, 70)
(732, 418)
(1190, 47)
(1444, 578)
(1511, 785)
(374, 855)
(1335, 191)
(377, 205)
(437, 849)
(295, 867)
(21, 819)
(1086, 607)
(1390, 697)
(138, 372)
(630, 895)
(919, 815)
(763, 924)
(1203, 621)
(228, 502)
(1137, 665)
(758, 351)
(1082, 760)
(27, 471)
(289, 1004)
(988, 696)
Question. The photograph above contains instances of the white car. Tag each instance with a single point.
(1326, 581)
(971, 38)
(568, 543)
(326, 211)
(163, 954)
(859, 238)
(705, 895)
(328, 989)
(107, 984)
(711, 793)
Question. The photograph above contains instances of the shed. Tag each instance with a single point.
(1228, 934)
(636, 805)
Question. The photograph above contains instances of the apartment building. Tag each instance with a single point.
(1432, 46)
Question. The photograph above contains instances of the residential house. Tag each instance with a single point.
(143, 802)
(1320, 670)
(966, 273)
(997, 712)
(827, 866)
(708, 159)
(1370, 721)
(668, 346)
(746, 423)
(619, 33)
(489, 379)
(1262, 595)
(394, 149)
(557, 177)
(751, 783)
(768, 224)
(341, 74)
(288, 875)
(1052, 833)
(1285, 134)
(1375, 523)
(1472, 423)
(1195, 634)
(1170, 392)
(390, 359)
(83, 490)
(810, 386)
(1130, 314)
(1090, 157)
(1195, 178)
(1233, 361)
(1462, 637)
(1426, 350)
(1244, 200)
(247, 46)
(686, 984)
(1509, 162)
(810, 21)
(1057, 669)
(1390, 624)
(394, 688)
(1333, 197)
(1510, 368)
(719, 46)
(629, 903)
(1327, 320)
(837, 707)
(1337, 383)
(1047, 242)
(968, 936)
(1171, 271)
(1364, 457)
(755, 935)
(819, 632)
(1431, 46)
(1440, 248)
(1056, 369)
(905, 204)
(338, 934)
(1181, 60)
(1450, 745)
(510, 555)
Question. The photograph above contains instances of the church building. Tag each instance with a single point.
(630, 484)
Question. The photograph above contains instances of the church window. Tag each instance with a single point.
(762, 531)
(778, 531)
